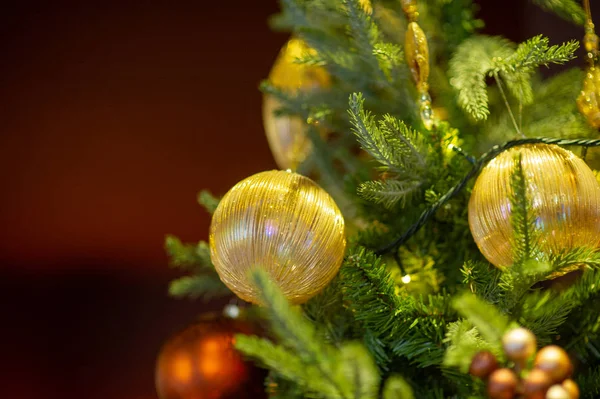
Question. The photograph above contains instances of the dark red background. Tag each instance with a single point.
(113, 115)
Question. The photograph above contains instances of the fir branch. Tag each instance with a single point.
(567, 9)
(378, 348)
(388, 192)
(522, 217)
(297, 333)
(482, 56)
(369, 291)
(348, 373)
(207, 286)
(208, 201)
(396, 388)
(536, 52)
(589, 257)
(488, 320)
(287, 322)
(519, 85)
(389, 56)
(358, 367)
(391, 142)
(193, 257)
(589, 383)
(362, 31)
(287, 364)
(464, 342)
(543, 315)
(469, 67)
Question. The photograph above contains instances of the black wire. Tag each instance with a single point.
(481, 162)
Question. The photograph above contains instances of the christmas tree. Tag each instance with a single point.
(450, 247)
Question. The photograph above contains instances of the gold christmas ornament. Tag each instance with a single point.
(282, 222)
(564, 194)
(572, 388)
(286, 134)
(554, 360)
(589, 98)
(557, 392)
(502, 384)
(536, 384)
(519, 344)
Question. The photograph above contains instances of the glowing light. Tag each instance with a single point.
(406, 279)
(232, 311)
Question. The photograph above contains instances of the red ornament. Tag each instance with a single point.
(201, 363)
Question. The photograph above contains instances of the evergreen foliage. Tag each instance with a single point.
(406, 324)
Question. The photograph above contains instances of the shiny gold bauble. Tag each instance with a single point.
(572, 388)
(483, 364)
(519, 344)
(554, 360)
(200, 362)
(557, 392)
(284, 223)
(502, 384)
(564, 195)
(286, 134)
(536, 384)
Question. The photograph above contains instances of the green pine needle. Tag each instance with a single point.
(524, 241)
(193, 257)
(490, 323)
(567, 9)
(208, 201)
(469, 67)
(389, 192)
(205, 286)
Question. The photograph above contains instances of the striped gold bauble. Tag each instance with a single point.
(564, 196)
(284, 223)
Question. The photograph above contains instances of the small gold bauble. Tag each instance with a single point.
(564, 194)
(483, 364)
(536, 384)
(557, 392)
(554, 360)
(286, 134)
(502, 384)
(284, 223)
(572, 388)
(519, 344)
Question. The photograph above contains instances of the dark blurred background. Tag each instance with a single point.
(113, 115)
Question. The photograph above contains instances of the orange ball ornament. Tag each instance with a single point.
(564, 195)
(201, 363)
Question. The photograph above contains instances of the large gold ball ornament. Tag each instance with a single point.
(282, 222)
(286, 134)
(564, 194)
